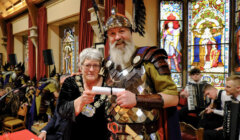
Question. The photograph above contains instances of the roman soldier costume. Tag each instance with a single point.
(147, 76)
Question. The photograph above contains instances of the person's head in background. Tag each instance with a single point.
(119, 34)
(195, 74)
(210, 91)
(90, 61)
(233, 85)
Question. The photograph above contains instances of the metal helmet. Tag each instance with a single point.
(117, 20)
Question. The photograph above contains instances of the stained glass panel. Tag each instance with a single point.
(170, 36)
(208, 37)
(209, 57)
(237, 5)
(68, 51)
(237, 35)
(177, 78)
(168, 7)
(217, 80)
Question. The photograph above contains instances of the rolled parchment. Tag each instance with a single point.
(106, 90)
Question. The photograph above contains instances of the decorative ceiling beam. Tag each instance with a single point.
(11, 1)
(17, 6)
(2, 8)
(32, 11)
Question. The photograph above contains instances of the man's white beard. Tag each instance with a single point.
(122, 56)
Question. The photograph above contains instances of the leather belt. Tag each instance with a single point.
(139, 128)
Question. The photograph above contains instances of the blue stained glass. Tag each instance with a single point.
(171, 7)
(209, 37)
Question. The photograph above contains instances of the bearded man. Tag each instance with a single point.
(147, 107)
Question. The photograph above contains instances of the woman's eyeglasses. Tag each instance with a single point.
(88, 66)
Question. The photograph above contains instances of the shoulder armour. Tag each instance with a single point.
(153, 55)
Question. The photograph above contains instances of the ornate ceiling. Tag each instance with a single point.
(9, 8)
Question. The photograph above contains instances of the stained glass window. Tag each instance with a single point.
(237, 36)
(237, 5)
(208, 39)
(69, 51)
(170, 39)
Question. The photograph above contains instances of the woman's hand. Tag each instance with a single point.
(87, 97)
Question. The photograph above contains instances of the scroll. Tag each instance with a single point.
(107, 90)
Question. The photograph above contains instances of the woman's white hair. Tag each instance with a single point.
(90, 53)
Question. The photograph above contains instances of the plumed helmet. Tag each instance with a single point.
(117, 20)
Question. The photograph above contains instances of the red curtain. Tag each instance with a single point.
(85, 30)
(10, 47)
(120, 4)
(42, 42)
(31, 54)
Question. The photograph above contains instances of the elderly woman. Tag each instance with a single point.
(77, 102)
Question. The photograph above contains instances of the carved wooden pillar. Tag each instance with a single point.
(94, 21)
(4, 31)
(33, 30)
(33, 36)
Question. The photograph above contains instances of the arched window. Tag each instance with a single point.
(201, 37)
(69, 49)
(208, 39)
(237, 37)
(170, 36)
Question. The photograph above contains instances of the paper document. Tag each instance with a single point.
(106, 90)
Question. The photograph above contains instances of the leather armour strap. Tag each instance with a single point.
(153, 55)
(149, 101)
(139, 128)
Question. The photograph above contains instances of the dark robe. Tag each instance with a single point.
(81, 126)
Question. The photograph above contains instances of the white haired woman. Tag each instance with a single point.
(79, 105)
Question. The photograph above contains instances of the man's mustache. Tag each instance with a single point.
(118, 42)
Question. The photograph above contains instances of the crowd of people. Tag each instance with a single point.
(147, 107)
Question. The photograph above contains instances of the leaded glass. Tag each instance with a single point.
(217, 80)
(209, 58)
(168, 7)
(177, 78)
(237, 66)
(208, 36)
(170, 36)
(68, 50)
(237, 5)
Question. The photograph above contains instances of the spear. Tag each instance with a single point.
(100, 24)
